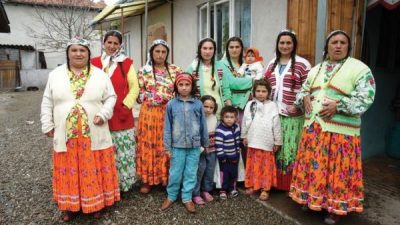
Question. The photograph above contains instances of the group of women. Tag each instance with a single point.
(87, 109)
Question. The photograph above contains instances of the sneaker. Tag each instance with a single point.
(198, 200)
(207, 197)
(234, 194)
(222, 195)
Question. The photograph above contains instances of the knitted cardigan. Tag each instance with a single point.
(341, 86)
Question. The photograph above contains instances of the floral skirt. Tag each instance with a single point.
(291, 132)
(260, 169)
(152, 163)
(125, 151)
(328, 173)
(84, 179)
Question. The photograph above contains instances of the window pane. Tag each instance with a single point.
(243, 20)
(203, 21)
(222, 27)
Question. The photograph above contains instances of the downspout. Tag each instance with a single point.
(146, 9)
(172, 32)
(141, 40)
(122, 21)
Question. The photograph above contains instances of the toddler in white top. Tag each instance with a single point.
(253, 65)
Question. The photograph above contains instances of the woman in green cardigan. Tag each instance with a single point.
(236, 88)
(328, 171)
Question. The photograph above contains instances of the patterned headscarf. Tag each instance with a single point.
(78, 41)
(149, 66)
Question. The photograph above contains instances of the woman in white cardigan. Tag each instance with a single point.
(77, 102)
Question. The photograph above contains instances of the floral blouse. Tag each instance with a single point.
(157, 89)
(77, 113)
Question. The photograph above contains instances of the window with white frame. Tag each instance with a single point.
(223, 19)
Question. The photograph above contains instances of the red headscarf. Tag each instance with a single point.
(256, 55)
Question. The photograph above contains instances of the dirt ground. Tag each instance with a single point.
(26, 192)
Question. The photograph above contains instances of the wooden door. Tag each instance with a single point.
(302, 18)
(347, 15)
(8, 74)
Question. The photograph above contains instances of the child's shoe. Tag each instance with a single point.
(264, 196)
(234, 194)
(198, 200)
(222, 195)
(207, 197)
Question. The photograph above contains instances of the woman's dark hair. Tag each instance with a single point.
(88, 63)
(228, 109)
(292, 54)
(334, 33)
(200, 58)
(113, 33)
(211, 98)
(262, 82)
(228, 57)
(194, 86)
(165, 63)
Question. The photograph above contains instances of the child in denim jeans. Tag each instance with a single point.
(227, 144)
(185, 131)
(208, 158)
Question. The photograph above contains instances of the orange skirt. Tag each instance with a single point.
(151, 161)
(260, 169)
(84, 179)
(327, 173)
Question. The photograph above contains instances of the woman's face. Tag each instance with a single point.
(78, 56)
(234, 49)
(160, 54)
(285, 45)
(111, 45)
(338, 47)
(207, 51)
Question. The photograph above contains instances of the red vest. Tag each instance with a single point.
(122, 118)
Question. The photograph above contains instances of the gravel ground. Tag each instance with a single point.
(25, 182)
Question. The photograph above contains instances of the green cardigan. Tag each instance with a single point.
(352, 87)
(236, 89)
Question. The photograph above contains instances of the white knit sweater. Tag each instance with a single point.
(264, 130)
(58, 100)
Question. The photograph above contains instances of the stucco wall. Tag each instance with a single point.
(34, 78)
(132, 25)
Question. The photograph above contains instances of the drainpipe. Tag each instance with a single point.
(146, 9)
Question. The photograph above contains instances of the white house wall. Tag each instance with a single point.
(132, 26)
(267, 20)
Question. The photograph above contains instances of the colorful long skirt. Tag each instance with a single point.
(84, 179)
(260, 169)
(152, 163)
(291, 132)
(125, 152)
(328, 173)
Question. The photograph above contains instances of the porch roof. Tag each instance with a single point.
(116, 11)
(4, 22)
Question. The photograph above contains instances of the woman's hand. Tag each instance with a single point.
(50, 133)
(307, 103)
(228, 102)
(245, 142)
(276, 148)
(98, 121)
(168, 153)
(291, 109)
(328, 109)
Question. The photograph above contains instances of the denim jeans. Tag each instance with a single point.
(184, 165)
(205, 174)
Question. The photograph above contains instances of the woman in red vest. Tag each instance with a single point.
(123, 76)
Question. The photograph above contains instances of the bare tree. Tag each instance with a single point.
(63, 20)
